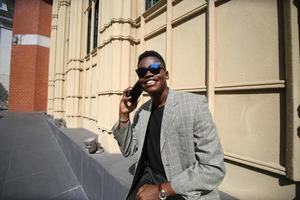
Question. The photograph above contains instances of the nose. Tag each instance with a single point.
(148, 74)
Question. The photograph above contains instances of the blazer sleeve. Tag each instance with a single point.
(208, 171)
(126, 138)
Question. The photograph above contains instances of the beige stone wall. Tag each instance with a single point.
(242, 54)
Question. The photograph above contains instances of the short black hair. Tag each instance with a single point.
(153, 54)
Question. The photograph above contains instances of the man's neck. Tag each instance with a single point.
(159, 100)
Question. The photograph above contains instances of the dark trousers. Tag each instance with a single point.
(149, 177)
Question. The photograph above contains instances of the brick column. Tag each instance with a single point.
(30, 55)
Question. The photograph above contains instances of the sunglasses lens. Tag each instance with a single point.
(154, 68)
(141, 72)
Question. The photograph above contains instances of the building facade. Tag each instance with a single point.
(6, 18)
(242, 54)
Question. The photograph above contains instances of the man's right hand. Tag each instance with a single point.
(126, 107)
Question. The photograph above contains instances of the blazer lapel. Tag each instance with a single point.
(170, 111)
(145, 115)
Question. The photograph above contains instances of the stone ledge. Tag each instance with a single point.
(102, 176)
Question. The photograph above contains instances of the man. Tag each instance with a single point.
(173, 138)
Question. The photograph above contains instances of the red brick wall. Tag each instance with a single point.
(29, 63)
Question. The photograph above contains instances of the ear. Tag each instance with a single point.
(167, 74)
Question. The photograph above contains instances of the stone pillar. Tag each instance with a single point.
(61, 57)
(52, 58)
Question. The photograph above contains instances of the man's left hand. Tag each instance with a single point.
(148, 192)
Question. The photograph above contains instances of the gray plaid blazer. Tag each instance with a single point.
(190, 149)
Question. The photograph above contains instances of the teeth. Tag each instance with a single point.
(151, 82)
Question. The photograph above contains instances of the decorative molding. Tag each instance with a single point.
(271, 167)
(110, 92)
(63, 3)
(59, 98)
(118, 37)
(174, 2)
(155, 10)
(75, 60)
(277, 84)
(120, 20)
(77, 97)
(58, 111)
(198, 89)
(84, 117)
(104, 129)
(59, 75)
(191, 14)
(87, 57)
(73, 115)
(54, 16)
(54, 27)
(156, 32)
(94, 52)
(220, 2)
(74, 69)
(138, 22)
(59, 79)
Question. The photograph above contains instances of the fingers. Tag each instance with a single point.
(138, 194)
(140, 190)
(126, 91)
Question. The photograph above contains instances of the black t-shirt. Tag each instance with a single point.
(152, 142)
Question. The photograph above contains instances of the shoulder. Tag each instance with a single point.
(185, 97)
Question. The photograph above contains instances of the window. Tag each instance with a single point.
(95, 43)
(92, 28)
(150, 3)
(3, 5)
(89, 21)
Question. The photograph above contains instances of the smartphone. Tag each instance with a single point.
(135, 92)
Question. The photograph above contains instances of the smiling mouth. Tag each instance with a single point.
(149, 82)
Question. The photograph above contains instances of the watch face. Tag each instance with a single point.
(162, 195)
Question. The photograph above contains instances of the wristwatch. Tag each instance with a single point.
(162, 193)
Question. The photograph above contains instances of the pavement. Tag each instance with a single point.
(38, 161)
(32, 164)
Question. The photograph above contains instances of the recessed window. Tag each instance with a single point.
(3, 5)
(92, 13)
(96, 17)
(150, 3)
(89, 26)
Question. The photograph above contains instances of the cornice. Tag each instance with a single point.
(119, 37)
(63, 3)
(119, 21)
(75, 60)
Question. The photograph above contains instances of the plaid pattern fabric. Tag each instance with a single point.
(190, 149)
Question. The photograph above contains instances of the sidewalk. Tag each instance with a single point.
(41, 162)
(32, 165)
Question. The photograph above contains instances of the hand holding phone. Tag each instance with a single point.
(135, 92)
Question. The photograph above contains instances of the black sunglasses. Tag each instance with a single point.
(154, 68)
